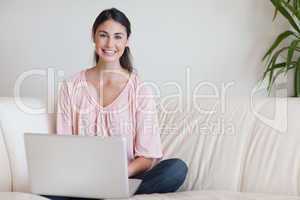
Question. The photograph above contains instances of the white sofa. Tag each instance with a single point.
(240, 150)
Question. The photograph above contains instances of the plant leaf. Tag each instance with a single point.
(292, 9)
(291, 51)
(276, 66)
(295, 4)
(278, 40)
(271, 64)
(275, 56)
(278, 5)
(273, 68)
(297, 79)
(280, 71)
(275, 14)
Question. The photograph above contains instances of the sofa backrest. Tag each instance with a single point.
(247, 146)
(16, 119)
(271, 162)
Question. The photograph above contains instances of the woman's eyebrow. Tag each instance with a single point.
(100, 31)
(118, 33)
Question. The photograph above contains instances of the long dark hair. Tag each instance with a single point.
(120, 17)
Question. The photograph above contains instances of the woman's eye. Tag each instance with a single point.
(118, 37)
(102, 35)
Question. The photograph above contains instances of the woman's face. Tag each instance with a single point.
(110, 41)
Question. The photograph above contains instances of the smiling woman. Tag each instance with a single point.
(110, 28)
(109, 99)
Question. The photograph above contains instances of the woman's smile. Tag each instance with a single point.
(109, 52)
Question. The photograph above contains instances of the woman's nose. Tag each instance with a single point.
(110, 42)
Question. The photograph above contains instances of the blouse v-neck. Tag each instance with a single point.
(114, 101)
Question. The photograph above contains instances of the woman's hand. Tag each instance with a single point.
(138, 165)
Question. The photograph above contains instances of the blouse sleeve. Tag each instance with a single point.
(64, 111)
(147, 140)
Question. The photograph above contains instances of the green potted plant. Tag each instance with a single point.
(280, 58)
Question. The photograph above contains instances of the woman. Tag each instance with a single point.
(109, 99)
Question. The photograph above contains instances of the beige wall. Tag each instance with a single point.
(219, 41)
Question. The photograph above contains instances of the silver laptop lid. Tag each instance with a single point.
(77, 166)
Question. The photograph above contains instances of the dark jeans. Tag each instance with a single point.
(166, 176)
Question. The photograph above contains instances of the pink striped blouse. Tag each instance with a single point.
(132, 115)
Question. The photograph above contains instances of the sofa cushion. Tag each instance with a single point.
(209, 135)
(5, 174)
(16, 119)
(213, 195)
(272, 160)
(248, 146)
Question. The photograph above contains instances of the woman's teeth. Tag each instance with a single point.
(109, 52)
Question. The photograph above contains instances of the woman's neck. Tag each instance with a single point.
(110, 70)
(101, 66)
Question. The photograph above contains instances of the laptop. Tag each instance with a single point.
(78, 166)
